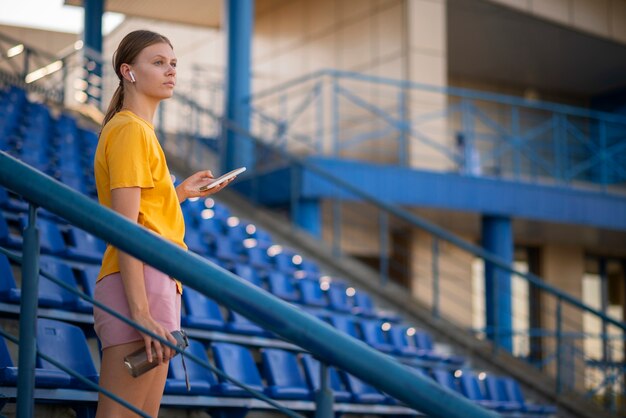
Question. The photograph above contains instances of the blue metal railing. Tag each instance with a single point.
(472, 132)
(469, 112)
(285, 320)
(558, 328)
(26, 395)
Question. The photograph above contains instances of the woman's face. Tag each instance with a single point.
(155, 71)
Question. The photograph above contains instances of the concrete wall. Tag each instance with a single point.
(606, 18)
(455, 278)
(564, 267)
(386, 38)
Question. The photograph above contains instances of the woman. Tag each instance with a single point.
(132, 178)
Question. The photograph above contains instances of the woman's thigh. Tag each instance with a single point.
(144, 392)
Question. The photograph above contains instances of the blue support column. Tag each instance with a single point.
(309, 216)
(238, 150)
(497, 238)
(28, 318)
(94, 11)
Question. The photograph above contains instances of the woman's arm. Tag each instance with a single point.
(126, 202)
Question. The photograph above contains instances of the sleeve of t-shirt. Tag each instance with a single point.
(128, 158)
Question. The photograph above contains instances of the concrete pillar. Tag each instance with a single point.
(497, 238)
(426, 55)
(238, 150)
(563, 267)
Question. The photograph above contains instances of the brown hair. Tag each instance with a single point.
(127, 51)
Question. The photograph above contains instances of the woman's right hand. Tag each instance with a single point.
(163, 352)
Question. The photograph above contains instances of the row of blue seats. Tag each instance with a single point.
(281, 374)
(55, 146)
(202, 313)
(279, 368)
(67, 241)
(502, 394)
(76, 244)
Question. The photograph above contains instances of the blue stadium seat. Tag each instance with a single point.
(282, 286)
(221, 211)
(11, 202)
(67, 344)
(86, 280)
(374, 336)
(50, 237)
(247, 273)
(401, 341)
(237, 233)
(10, 231)
(284, 378)
(9, 292)
(312, 373)
(52, 295)
(337, 298)
(201, 379)
(240, 324)
(194, 240)
(84, 246)
(257, 257)
(513, 393)
(445, 379)
(236, 361)
(470, 388)
(311, 268)
(43, 377)
(264, 238)
(225, 250)
(345, 324)
(49, 294)
(283, 262)
(201, 312)
(424, 342)
(311, 293)
(363, 305)
(361, 391)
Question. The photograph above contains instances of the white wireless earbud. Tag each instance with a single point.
(132, 76)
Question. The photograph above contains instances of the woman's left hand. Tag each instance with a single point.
(190, 187)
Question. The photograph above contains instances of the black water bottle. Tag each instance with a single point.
(137, 362)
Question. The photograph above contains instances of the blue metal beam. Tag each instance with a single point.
(309, 216)
(92, 38)
(237, 151)
(497, 238)
(410, 187)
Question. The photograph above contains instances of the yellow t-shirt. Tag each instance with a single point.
(129, 155)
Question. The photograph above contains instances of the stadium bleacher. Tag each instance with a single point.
(57, 146)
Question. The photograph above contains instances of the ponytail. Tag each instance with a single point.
(117, 101)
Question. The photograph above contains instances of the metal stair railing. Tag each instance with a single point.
(16, 258)
(319, 338)
(357, 116)
(445, 261)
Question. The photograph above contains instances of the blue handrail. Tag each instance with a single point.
(423, 224)
(16, 258)
(453, 91)
(268, 311)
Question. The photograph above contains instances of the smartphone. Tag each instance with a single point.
(223, 178)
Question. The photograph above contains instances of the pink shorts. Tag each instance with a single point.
(163, 299)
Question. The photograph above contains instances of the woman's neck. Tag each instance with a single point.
(142, 107)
